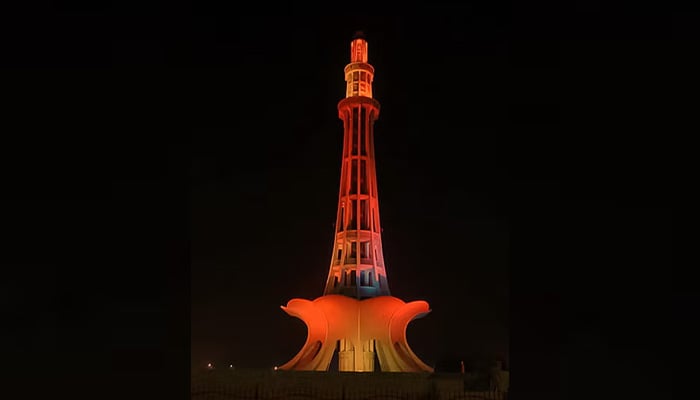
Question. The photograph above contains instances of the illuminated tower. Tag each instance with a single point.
(356, 315)
(357, 266)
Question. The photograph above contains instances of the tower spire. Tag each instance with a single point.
(357, 265)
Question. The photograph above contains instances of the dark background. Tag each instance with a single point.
(175, 163)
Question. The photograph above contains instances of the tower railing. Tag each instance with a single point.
(351, 260)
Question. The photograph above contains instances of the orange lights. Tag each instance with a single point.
(357, 316)
(358, 51)
(361, 326)
(357, 265)
(358, 74)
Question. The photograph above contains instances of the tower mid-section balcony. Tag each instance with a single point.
(357, 235)
(354, 261)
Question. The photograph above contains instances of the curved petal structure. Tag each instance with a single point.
(358, 327)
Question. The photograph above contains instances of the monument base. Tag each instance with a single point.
(359, 329)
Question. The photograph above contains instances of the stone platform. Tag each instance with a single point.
(276, 385)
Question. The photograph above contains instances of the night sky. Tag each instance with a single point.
(173, 177)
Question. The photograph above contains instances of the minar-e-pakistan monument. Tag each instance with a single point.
(357, 314)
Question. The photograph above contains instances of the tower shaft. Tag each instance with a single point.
(357, 266)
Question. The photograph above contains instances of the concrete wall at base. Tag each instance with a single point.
(268, 385)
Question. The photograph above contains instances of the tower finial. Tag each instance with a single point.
(358, 52)
(359, 35)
